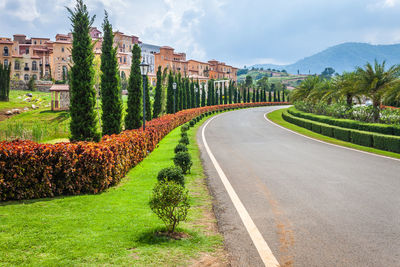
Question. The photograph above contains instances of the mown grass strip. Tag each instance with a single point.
(116, 227)
(276, 116)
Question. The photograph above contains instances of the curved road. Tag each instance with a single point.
(313, 203)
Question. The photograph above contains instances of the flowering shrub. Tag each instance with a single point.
(31, 170)
(363, 113)
(390, 116)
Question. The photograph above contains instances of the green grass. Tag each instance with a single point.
(276, 116)
(17, 99)
(116, 227)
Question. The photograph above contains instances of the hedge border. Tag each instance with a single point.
(29, 170)
(349, 124)
(380, 141)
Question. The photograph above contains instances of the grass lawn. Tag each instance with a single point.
(276, 116)
(116, 227)
(17, 99)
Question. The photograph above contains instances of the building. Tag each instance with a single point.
(199, 70)
(148, 56)
(175, 62)
(220, 71)
(124, 44)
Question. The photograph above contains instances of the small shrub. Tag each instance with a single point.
(184, 134)
(170, 202)
(171, 174)
(180, 148)
(192, 123)
(184, 140)
(184, 128)
(183, 160)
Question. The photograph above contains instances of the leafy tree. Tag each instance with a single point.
(133, 118)
(305, 88)
(248, 81)
(5, 82)
(170, 94)
(83, 124)
(110, 90)
(158, 94)
(327, 73)
(226, 94)
(374, 82)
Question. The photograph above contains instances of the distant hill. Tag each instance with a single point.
(343, 57)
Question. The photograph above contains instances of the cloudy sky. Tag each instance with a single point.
(235, 31)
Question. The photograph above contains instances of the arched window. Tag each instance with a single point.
(34, 65)
(5, 51)
(5, 62)
(34, 76)
(16, 65)
(26, 77)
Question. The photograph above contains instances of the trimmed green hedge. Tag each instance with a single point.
(350, 124)
(380, 141)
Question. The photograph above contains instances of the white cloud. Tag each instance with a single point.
(25, 10)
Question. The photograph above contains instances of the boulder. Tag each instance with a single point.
(29, 95)
(16, 111)
(9, 112)
(34, 106)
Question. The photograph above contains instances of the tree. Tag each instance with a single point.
(111, 103)
(133, 118)
(231, 84)
(170, 94)
(158, 94)
(248, 81)
(210, 93)
(226, 94)
(5, 82)
(83, 124)
(270, 95)
(305, 88)
(147, 99)
(203, 95)
(248, 95)
(327, 73)
(198, 94)
(374, 82)
(185, 93)
(244, 95)
(220, 94)
(193, 95)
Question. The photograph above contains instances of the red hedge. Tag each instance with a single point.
(31, 170)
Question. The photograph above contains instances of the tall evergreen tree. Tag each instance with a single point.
(248, 95)
(170, 94)
(270, 95)
(226, 94)
(244, 95)
(188, 93)
(133, 118)
(158, 95)
(148, 103)
(283, 96)
(5, 82)
(209, 93)
(198, 94)
(220, 94)
(193, 96)
(83, 124)
(279, 96)
(253, 98)
(230, 92)
(203, 95)
(110, 86)
(184, 93)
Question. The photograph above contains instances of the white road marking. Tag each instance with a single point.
(348, 148)
(262, 247)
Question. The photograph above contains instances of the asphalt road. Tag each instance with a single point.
(314, 204)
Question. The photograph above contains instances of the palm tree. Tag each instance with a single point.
(346, 86)
(374, 82)
(303, 91)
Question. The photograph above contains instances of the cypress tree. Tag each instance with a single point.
(184, 94)
(193, 96)
(203, 95)
(253, 97)
(157, 98)
(110, 86)
(230, 92)
(244, 95)
(248, 95)
(198, 94)
(170, 94)
(148, 103)
(283, 96)
(279, 96)
(5, 82)
(209, 93)
(269, 95)
(188, 94)
(220, 94)
(83, 124)
(133, 118)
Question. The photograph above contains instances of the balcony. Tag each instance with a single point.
(26, 68)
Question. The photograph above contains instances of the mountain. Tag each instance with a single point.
(343, 57)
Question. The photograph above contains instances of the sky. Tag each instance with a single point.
(237, 32)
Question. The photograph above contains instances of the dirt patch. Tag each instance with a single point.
(215, 260)
(175, 235)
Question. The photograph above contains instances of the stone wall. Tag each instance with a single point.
(64, 100)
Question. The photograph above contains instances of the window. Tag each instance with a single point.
(5, 62)
(34, 42)
(34, 65)
(5, 52)
(62, 49)
(124, 59)
(26, 77)
(16, 65)
(27, 50)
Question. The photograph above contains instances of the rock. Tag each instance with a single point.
(9, 112)
(28, 99)
(26, 109)
(16, 111)
(34, 107)
(29, 94)
(19, 97)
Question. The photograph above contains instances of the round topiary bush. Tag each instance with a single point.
(184, 128)
(171, 174)
(170, 202)
(184, 140)
(183, 160)
(180, 148)
(192, 123)
(184, 134)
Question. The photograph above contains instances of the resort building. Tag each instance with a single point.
(175, 62)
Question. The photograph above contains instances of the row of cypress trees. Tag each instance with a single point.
(84, 125)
